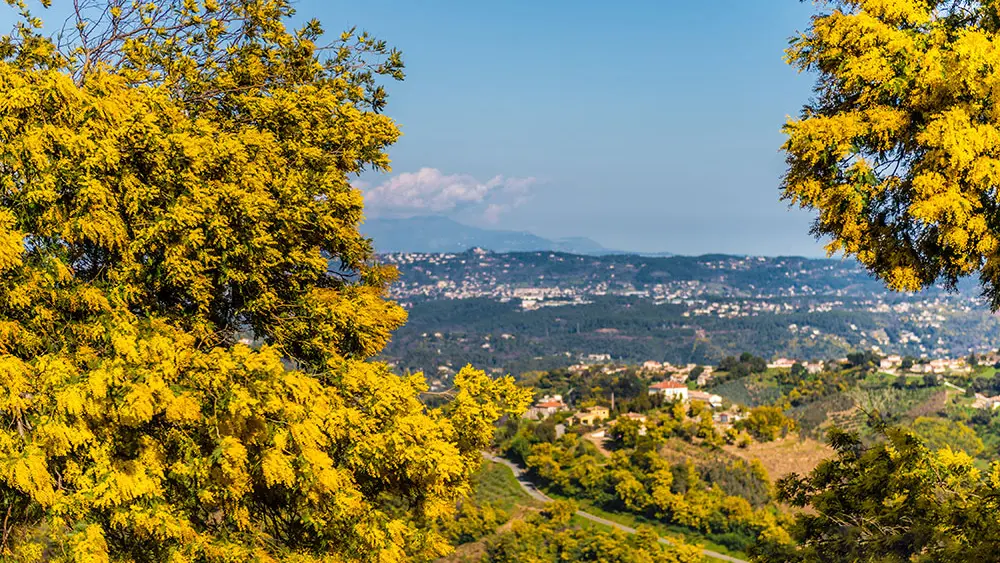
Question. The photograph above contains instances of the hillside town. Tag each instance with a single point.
(817, 297)
(599, 416)
(676, 376)
(683, 383)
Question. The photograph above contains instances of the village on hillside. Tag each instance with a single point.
(673, 387)
(669, 383)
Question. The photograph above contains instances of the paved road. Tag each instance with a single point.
(536, 494)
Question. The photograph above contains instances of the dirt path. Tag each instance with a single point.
(598, 443)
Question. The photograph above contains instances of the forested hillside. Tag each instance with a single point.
(523, 311)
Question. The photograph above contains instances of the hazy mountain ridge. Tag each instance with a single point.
(437, 234)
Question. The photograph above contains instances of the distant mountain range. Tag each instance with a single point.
(441, 234)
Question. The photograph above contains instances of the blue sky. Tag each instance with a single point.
(645, 125)
(650, 126)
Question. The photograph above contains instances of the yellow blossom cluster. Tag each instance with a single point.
(900, 150)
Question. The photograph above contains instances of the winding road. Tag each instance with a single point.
(536, 494)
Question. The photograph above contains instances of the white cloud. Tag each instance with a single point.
(431, 192)
(493, 211)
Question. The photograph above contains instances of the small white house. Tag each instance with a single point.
(715, 401)
(782, 363)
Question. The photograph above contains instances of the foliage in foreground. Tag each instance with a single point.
(897, 152)
(547, 535)
(472, 522)
(893, 501)
(550, 537)
(898, 155)
(640, 481)
(176, 174)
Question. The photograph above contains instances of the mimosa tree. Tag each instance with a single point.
(899, 155)
(174, 174)
(899, 152)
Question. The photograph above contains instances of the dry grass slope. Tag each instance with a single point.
(789, 455)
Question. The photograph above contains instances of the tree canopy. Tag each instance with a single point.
(548, 536)
(175, 176)
(898, 151)
(893, 501)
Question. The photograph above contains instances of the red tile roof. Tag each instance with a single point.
(551, 405)
(668, 385)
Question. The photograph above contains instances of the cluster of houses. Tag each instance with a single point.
(785, 363)
(546, 407)
(675, 388)
(678, 373)
(984, 402)
(672, 391)
(649, 367)
(552, 404)
(669, 390)
(893, 364)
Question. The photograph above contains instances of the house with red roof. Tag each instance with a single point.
(670, 390)
(546, 407)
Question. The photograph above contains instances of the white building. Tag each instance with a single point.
(546, 407)
(984, 402)
(814, 367)
(714, 401)
(782, 363)
(890, 362)
(669, 390)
